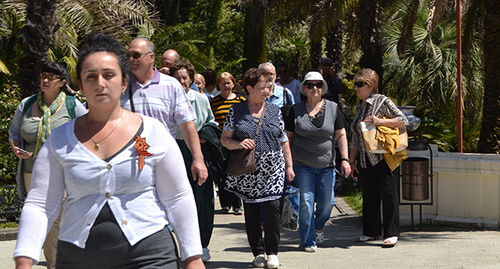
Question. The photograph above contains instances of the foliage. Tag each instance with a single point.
(425, 75)
(293, 48)
(9, 100)
(210, 39)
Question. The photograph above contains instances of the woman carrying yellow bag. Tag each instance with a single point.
(380, 183)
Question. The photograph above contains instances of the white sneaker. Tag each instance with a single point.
(272, 261)
(206, 255)
(259, 261)
(311, 248)
(320, 237)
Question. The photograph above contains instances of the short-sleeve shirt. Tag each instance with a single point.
(162, 98)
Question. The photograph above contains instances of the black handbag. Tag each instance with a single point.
(242, 161)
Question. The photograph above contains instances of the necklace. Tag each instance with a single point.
(96, 143)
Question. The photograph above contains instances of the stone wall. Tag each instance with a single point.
(466, 190)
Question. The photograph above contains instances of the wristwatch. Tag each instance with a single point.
(344, 159)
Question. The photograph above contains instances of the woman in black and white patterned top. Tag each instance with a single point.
(264, 187)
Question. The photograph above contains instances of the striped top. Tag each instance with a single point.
(221, 106)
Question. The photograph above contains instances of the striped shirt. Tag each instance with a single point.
(221, 106)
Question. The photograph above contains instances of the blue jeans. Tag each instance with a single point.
(316, 185)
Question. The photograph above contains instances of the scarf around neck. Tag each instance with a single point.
(44, 126)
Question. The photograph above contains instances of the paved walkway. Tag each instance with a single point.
(435, 247)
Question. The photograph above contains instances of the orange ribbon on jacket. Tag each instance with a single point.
(142, 147)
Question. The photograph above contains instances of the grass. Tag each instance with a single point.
(5, 225)
(354, 200)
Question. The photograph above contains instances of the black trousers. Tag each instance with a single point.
(226, 198)
(270, 243)
(379, 184)
(204, 198)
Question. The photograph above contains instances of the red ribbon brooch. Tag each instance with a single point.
(142, 147)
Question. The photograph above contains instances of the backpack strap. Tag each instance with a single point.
(71, 105)
(31, 100)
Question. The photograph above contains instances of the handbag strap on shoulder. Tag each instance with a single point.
(378, 104)
(261, 119)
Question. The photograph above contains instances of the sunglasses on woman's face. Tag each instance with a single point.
(360, 84)
(49, 76)
(310, 85)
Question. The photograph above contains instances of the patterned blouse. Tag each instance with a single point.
(266, 183)
(387, 109)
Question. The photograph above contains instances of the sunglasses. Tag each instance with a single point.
(310, 85)
(137, 55)
(49, 76)
(360, 84)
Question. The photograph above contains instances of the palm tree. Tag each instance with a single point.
(490, 131)
(36, 37)
(53, 31)
(424, 74)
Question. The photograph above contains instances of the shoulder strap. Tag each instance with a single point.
(285, 97)
(70, 105)
(29, 103)
(261, 119)
(131, 98)
(378, 103)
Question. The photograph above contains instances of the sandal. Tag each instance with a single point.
(364, 238)
(391, 241)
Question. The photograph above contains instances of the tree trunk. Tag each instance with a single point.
(369, 14)
(36, 36)
(489, 140)
(255, 41)
(334, 45)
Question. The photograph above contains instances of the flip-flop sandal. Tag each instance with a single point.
(391, 241)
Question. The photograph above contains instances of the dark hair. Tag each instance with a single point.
(282, 64)
(59, 68)
(210, 76)
(178, 65)
(251, 77)
(97, 42)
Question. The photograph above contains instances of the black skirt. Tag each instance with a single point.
(107, 247)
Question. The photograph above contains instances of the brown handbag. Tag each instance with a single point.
(242, 161)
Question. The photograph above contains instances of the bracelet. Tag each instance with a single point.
(344, 159)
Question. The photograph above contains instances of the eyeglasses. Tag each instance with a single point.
(137, 55)
(360, 84)
(282, 72)
(49, 76)
(310, 85)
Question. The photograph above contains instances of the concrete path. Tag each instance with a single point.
(435, 247)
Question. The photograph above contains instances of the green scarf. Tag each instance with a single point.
(44, 127)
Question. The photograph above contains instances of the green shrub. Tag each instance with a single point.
(9, 100)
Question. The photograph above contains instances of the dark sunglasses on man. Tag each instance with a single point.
(137, 55)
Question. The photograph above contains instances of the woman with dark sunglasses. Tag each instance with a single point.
(379, 180)
(313, 127)
(33, 121)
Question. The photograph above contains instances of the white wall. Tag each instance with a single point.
(466, 190)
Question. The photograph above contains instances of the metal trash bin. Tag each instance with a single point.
(415, 179)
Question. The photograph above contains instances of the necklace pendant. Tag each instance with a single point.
(96, 147)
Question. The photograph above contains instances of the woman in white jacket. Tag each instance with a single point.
(124, 179)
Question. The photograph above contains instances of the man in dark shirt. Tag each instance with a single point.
(335, 85)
